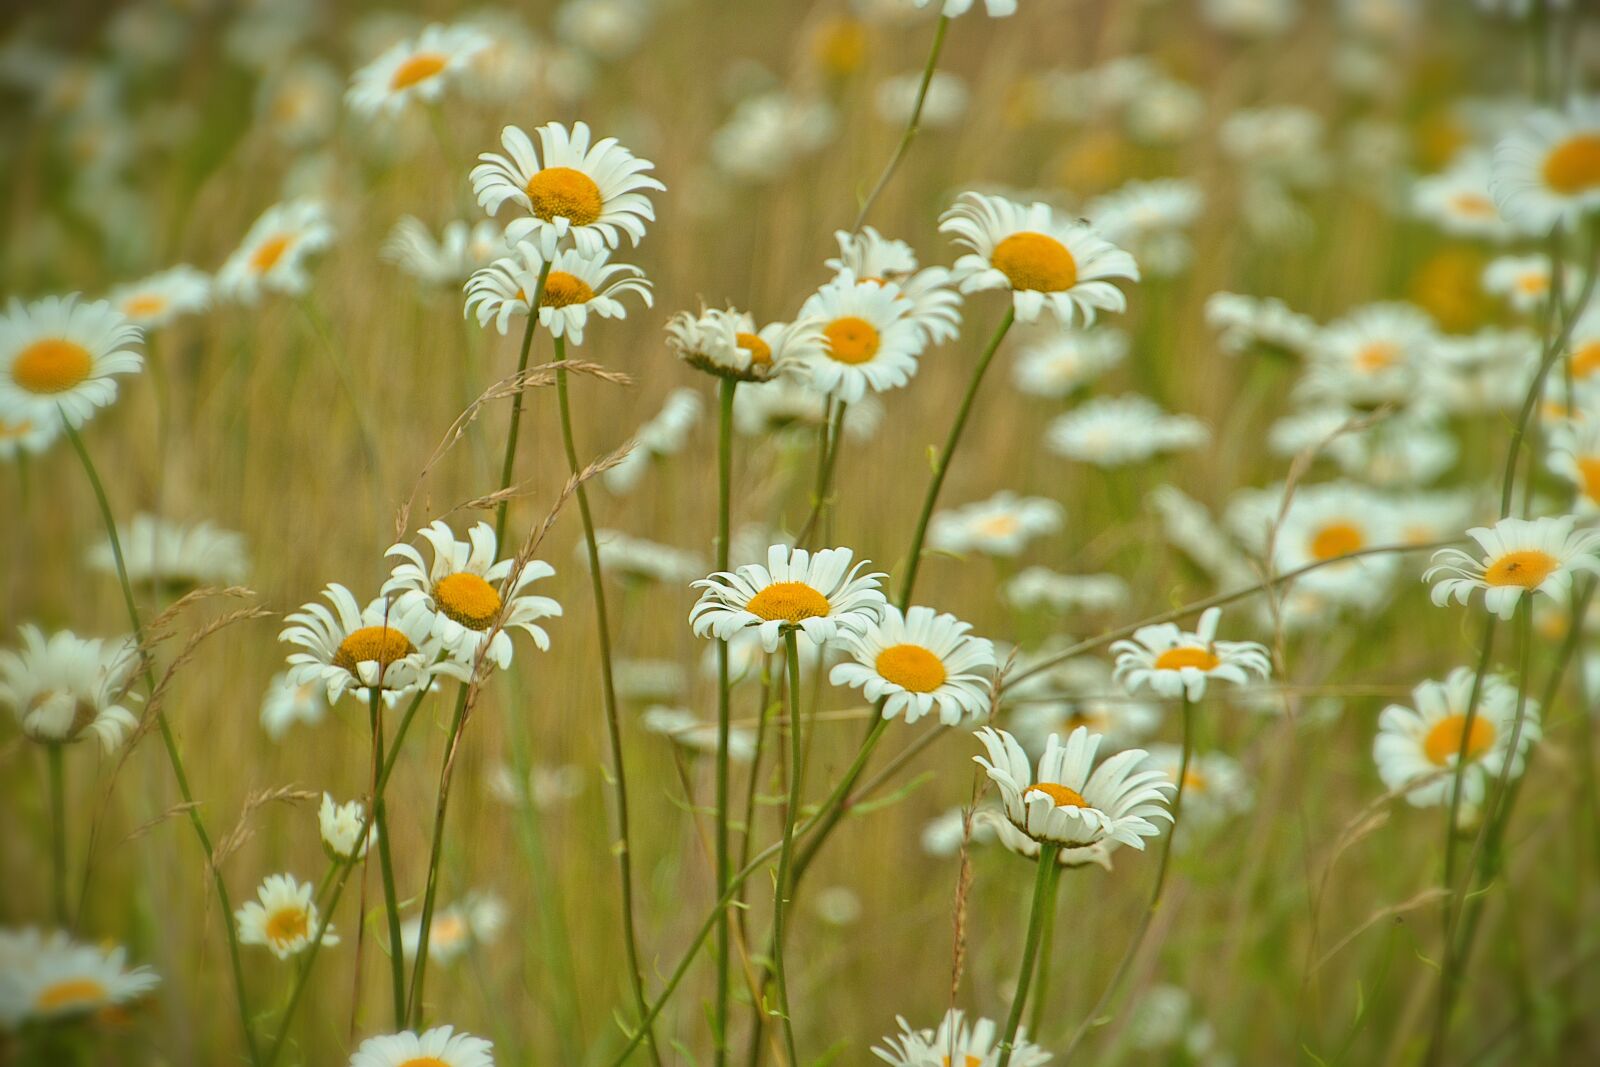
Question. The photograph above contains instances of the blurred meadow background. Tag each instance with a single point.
(1305, 153)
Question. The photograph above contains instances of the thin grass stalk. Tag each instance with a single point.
(1451, 837)
(942, 464)
(724, 721)
(391, 899)
(911, 126)
(347, 382)
(780, 888)
(58, 833)
(508, 465)
(169, 741)
(619, 778)
(419, 966)
(1030, 947)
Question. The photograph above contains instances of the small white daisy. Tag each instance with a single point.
(283, 917)
(166, 554)
(1248, 323)
(1457, 200)
(995, 9)
(1043, 261)
(1035, 587)
(870, 340)
(791, 410)
(59, 357)
(286, 703)
(1422, 743)
(1547, 170)
(566, 186)
(1521, 281)
(156, 301)
(26, 438)
(1371, 356)
(1067, 360)
(663, 435)
(1519, 556)
(475, 919)
(1002, 525)
(577, 286)
(956, 1043)
(1575, 455)
(351, 648)
(1172, 662)
(272, 257)
(49, 977)
(1150, 219)
(461, 595)
(871, 257)
(769, 132)
(439, 1047)
(460, 249)
(418, 69)
(1115, 431)
(818, 593)
(340, 826)
(640, 560)
(920, 662)
(943, 102)
(60, 686)
(726, 343)
(1327, 522)
(1215, 787)
(697, 735)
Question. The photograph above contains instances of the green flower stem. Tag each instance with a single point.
(911, 126)
(780, 889)
(58, 832)
(391, 899)
(1041, 983)
(508, 465)
(429, 896)
(724, 717)
(1042, 897)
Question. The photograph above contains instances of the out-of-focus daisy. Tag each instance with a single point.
(1043, 261)
(1066, 360)
(1121, 721)
(1190, 527)
(1324, 524)
(1547, 170)
(439, 1047)
(166, 554)
(870, 340)
(787, 407)
(944, 833)
(1371, 356)
(819, 593)
(354, 648)
(458, 597)
(577, 286)
(650, 680)
(919, 662)
(1149, 218)
(950, 9)
(566, 186)
(663, 435)
(283, 917)
(272, 257)
(1519, 556)
(1422, 743)
(1215, 788)
(26, 438)
(62, 685)
(299, 102)
(460, 249)
(608, 29)
(155, 301)
(1042, 587)
(1173, 662)
(1000, 526)
(640, 560)
(871, 257)
(1279, 146)
(1458, 201)
(726, 342)
(1115, 431)
(1247, 323)
(59, 357)
(1409, 449)
(1250, 18)
(475, 919)
(768, 132)
(1071, 802)
(944, 104)
(419, 69)
(956, 1042)
(1575, 455)
(340, 825)
(1521, 281)
(287, 703)
(47, 977)
(695, 734)
(1485, 371)
(1422, 518)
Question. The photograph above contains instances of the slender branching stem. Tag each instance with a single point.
(781, 887)
(431, 887)
(391, 897)
(508, 465)
(912, 126)
(719, 1036)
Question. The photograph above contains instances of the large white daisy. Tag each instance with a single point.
(818, 593)
(59, 357)
(870, 341)
(920, 662)
(1422, 743)
(60, 686)
(1172, 662)
(355, 648)
(577, 286)
(870, 257)
(1002, 525)
(439, 1047)
(1519, 556)
(272, 257)
(1547, 170)
(420, 68)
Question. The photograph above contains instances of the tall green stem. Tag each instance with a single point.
(724, 719)
(170, 742)
(1041, 984)
(58, 833)
(1030, 948)
(391, 899)
(619, 778)
(942, 464)
(419, 966)
(508, 465)
(911, 126)
(780, 889)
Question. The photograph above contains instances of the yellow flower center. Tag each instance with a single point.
(268, 252)
(911, 667)
(373, 644)
(1063, 797)
(468, 599)
(1035, 261)
(287, 925)
(1533, 283)
(788, 601)
(760, 351)
(1586, 359)
(1473, 205)
(969, 1060)
(9, 430)
(563, 290)
(425, 1061)
(1377, 356)
(1527, 568)
(1193, 780)
(1337, 539)
(70, 993)
(1175, 659)
(561, 192)
(999, 525)
(851, 339)
(841, 46)
(1444, 740)
(144, 305)
(1574, 165)
(447, 929)
(1588, 469)
(51, 366)
(419, 68)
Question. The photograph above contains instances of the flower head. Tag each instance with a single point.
(283, 917)
(1172, 662)
(272, 257)
(727, 343)
(956, 1043)
(61, 686)
(356, 648)
(59, 358)
(1547, 170)
(919, 662)
(576, 286)
(1422, 743)
(870, 341)
(421, 68)
(47, 977)
(1519, 556)
(340, 825)
(819, 593)
(439, 1047)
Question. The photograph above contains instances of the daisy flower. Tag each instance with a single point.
(1458, 201)
(159, 553)
(768, 133)
(870, 340)
(1149, 218)
(956, 1041)
(1519, 556)
(273, 255)
(1246, 323)
(1326, 523)
(943, 104)
(726, 343)
(48, 977)
(1371, 356)
(1071, 802)
(995, 9)
(60, 686)
(640, 560)
(460, 249)
(466, 597)
(1487, 371)
(287, 703)
(788, 407)
(819, 593)
(26, 438)
(664, 435)
(945, 833)
(283, 917)
(1046, 263)
(577, 286)
(439, 1047)
(566, 186)
(417, 69)
(1035, 587)
(687, 729)
(340, 826)
(475, 919)
(871, 257)
(351, 648)
(1115, 431)
(1422, 743)
(1575, 455)
(1521, 281)
(1585, 345)
(1215, 788)
(1189, 526)
(918, 662)
(1547, 170)
(155, 301)
(1172, 662)
(59, 357)
(1067, 360)
(1000, 526)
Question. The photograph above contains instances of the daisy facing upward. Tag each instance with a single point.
(576, 286)
(1519, 556)
(920, 662)
(59, 358)
(1172, 662)
(820, 594)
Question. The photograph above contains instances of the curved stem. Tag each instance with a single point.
(419, 966)
(942, 464)
(724, 716)
(911, 126)
(508, 465)
(1030, 948)
(785, 856)
(619, 778)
